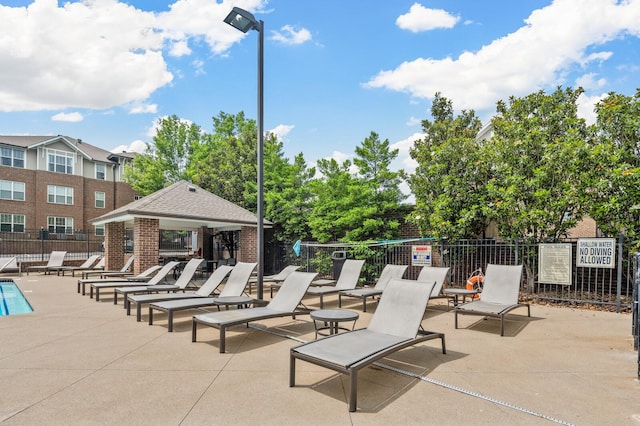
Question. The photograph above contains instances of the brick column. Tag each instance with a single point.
(248, 241)
(114, 246)
(145, 243)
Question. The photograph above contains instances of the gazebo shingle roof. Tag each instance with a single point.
(185, 205)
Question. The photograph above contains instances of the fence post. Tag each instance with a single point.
(619, 276)
(635, 312)
(41, 243)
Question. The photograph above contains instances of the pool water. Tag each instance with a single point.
(12, 301)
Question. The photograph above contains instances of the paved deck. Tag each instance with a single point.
(75, 361)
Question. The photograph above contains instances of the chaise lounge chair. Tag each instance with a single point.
(395, 325)
(207, 289)
(235, 285)
(430, 274)
(142, 276)
(500, 290)
(285, 303)
(389, 272)
(181, 284)
(9, 265)
(347, 281)
(123, 272)
(56, 260)
(275, 279)
(161, 275)
(184, 280)
(88, 264)
(104, 274)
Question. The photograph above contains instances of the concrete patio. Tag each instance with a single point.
(75, 361)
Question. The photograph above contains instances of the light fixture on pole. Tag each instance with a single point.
(245, 21)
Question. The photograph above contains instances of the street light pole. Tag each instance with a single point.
(245, 21)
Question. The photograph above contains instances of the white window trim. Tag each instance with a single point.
(13, 190)
(68, 193)
(104, 199)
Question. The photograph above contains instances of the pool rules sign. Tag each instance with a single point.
(596, 253)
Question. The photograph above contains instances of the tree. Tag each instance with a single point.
(539, 153)
(613, 194)
(288, 195)
(226, 163)
(167, 160)
(449, 181)
(334, 195)
(357, 205)
(376, 217)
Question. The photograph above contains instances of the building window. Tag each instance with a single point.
(12, 157)
(100, 200)
(60, 225)
(59, 194)
(10, 190)
(11, 222)
(99, 230)
(101, 171)
(60, 161)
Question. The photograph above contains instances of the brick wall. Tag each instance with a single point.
(248, 241)
(146, 237)
(114, 250)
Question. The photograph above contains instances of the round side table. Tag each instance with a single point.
(331, 319)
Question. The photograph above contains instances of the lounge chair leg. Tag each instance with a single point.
(292, 370)
(138, 311)
(97, 294)
(353, 390)
(501, 325)
(150, 315)
(170, 319)
(321, 302)
(455, 316)
(339, 300)
(364, 304)
(222, 339)
(115, 297)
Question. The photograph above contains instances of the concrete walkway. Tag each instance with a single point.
(75, 361)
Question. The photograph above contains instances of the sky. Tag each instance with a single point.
(106, 71)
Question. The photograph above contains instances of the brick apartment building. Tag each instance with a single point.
(58, 184)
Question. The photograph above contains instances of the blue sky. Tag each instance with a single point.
(335, 70)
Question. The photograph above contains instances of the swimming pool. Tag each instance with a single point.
(12, 301)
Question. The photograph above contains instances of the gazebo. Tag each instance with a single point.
(181, 206)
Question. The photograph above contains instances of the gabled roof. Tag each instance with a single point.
(88, 151)
(183, 205)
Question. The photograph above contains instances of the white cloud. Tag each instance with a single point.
(553, 39)
(198, 65)
(290, 35)
(101, 54)
(65, 56)
(282, 130)
(421, 18)
(180, 48)
(404, 160)
(135, 146)
(71, 117)
(586, 105)
(589, 81)
(142, 108)
(413, 121)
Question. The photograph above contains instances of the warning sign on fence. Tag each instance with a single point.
(421, 255)
(596, 253)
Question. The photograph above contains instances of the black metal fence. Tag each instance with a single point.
(34, 245)
(602, 287)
